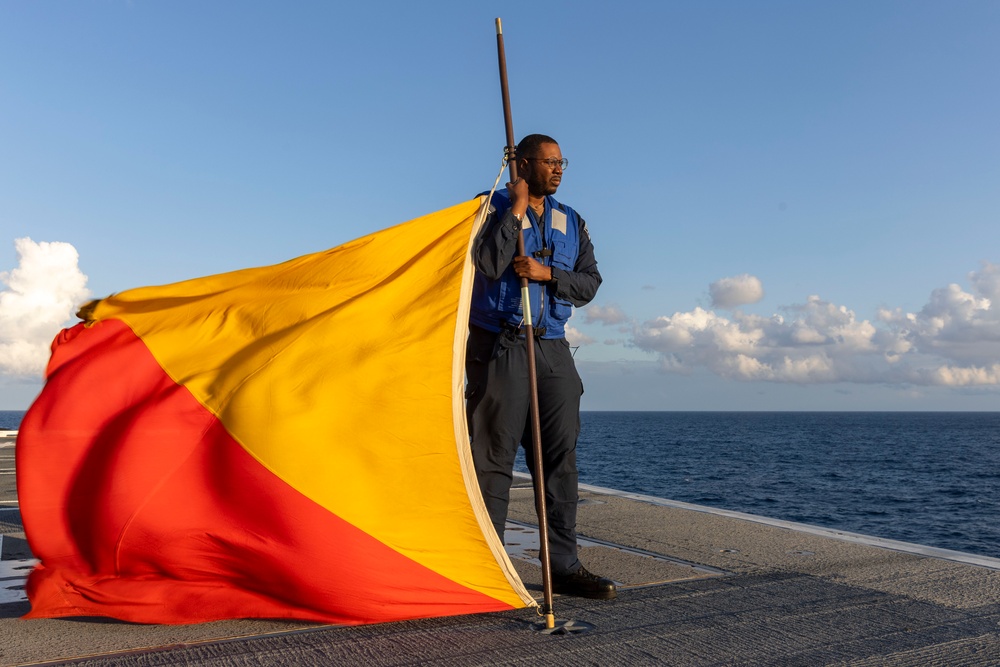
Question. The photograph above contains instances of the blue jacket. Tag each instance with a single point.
(496, 301)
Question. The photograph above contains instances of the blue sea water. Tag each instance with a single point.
(931, 478)
(10, 419)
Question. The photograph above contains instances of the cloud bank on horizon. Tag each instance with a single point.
(37, 299)
(953, 341)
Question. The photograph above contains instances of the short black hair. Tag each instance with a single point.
(529, 144)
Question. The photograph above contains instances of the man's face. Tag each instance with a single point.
(542, 178)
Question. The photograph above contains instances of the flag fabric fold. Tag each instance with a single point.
(279, 442)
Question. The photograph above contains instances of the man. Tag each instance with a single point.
(562, 273)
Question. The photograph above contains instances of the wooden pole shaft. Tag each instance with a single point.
(536, 425)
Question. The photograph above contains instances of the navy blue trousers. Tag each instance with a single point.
(498, 412)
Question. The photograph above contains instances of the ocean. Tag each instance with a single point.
(9, 419)
(931, 478)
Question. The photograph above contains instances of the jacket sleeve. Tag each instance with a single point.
(496, 244)
(579, 286)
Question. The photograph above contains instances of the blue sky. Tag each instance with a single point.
(794, 204)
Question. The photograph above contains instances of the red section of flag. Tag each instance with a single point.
(142, 507)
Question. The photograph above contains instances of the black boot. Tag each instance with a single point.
(584, 584)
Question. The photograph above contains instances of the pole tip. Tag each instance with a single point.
(499, 29)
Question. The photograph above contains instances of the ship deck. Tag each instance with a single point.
(698, 586)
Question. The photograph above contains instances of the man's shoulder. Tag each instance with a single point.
(566, 208)
(581, 224)
(497, 194)
(500, 199)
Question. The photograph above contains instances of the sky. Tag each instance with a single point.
(794, 205)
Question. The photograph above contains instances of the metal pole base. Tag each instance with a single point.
(566, 627)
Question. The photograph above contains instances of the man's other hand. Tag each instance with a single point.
(532, 269)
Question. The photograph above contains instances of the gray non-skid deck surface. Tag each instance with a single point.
(723, 591)
(772, 619)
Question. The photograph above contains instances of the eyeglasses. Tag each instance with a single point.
(551, 162)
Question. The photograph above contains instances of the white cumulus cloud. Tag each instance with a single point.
(954, 340)
(736, 291)
(987, 281)
(577, 338)
(607, 315)
(37, 299)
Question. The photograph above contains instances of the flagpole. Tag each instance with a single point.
(536, 427)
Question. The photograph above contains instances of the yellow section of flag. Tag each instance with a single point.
(342, 373)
